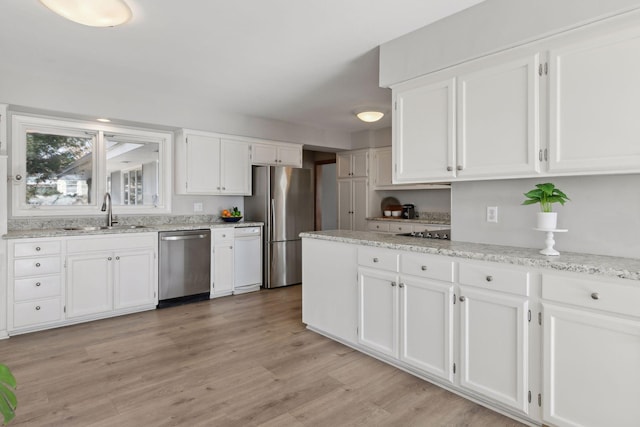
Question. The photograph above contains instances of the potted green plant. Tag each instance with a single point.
(8, 401)
(546, 194)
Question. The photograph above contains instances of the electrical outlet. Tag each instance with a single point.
(197, 207)
(492, 214)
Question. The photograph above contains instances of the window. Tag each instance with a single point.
(65, 167)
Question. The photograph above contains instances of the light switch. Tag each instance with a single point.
(197, 207)
(492, 214)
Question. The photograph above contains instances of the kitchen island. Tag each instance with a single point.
(503, 326)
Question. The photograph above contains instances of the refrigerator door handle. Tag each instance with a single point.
(273, 219)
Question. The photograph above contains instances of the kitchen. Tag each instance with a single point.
(611, 232)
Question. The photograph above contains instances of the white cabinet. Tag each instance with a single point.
(424, 131)
(222, 262)
(591, 351)
(594, 90)
(353, 164)
(276, 154)
(378, 310)
(498, 120)
(35, 291)
(353, 199)
(329, 288)
(210, 164)
(494, 334)
(109, 274)
(381, 170)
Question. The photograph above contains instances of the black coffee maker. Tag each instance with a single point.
(408, 211)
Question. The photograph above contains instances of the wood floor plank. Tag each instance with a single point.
(238, 361)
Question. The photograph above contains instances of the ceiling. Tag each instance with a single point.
(310, 63)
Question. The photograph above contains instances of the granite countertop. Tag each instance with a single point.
(58, 232)
(411, 221)
(625, 268)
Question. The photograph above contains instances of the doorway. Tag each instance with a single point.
(326, 195)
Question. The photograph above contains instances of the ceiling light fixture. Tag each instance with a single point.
(103, 120)
(94, 13)
(370, 116)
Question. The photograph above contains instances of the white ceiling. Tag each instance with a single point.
(304, 62)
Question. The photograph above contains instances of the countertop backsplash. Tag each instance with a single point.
(93, 221)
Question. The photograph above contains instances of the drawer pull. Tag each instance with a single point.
(37, 264)
(38, 283)
(489, 278)
(37, 308)
(38, 248)
(423, 268)
(595, 295)
(462, 299)
(375, 260)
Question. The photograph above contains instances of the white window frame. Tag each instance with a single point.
(21, 124)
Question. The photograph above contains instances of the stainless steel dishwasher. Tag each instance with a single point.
(185, 266)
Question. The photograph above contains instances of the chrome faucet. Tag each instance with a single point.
(107, 198)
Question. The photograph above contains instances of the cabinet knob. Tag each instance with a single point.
(37, 308)
(449, 168)
(399, 228)
(38, 248)
(393, 284)
(37, 264)
(18, 177)
(38, 283)
(401, 285)
(423, 268)
(117, 258)
(489, 278)
(375, 260)
(459, 167)
(462, 299)
(224, 188)
(217, 188)
(109, 259)
(595, 295)
(224, 235)
(230, 247)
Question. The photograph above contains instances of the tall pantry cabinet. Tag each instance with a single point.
(353, 189)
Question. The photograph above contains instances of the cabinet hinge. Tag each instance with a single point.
(529, 398)
(186, 185)
(357, 331)
(454, 299)
(546, 68)
(454, 368)
(395, 166)
(529, 318)
(154, 294)
(186, 140)
(540, 400)
(540, 69)
(540, 318)
(395, 105)
(64, 309)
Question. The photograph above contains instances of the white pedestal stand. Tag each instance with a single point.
(549, 241)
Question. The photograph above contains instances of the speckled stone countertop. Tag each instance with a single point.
(443, 218)
(625, 268)
(57, 232)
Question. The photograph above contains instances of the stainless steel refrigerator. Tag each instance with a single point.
(282, 199)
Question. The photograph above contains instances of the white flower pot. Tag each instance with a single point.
(547, 220)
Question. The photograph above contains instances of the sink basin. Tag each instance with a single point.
(82, 228)
(104, 227)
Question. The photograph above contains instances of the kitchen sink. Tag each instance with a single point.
(104, 227)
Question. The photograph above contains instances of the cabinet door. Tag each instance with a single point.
(494, 346)
(426, 326)
(360, 164)
(264, 154)
(343, 164)
(382, 167)
(378, 310)
(345, 215)
(594, 92)
(360, 201)
(290, 156)
(203, 164)
(135, 281)
(89, 284)
(591, 368)
(424, 133)
(329, 288)
(498, 120)
(235, 168)
(223, 268)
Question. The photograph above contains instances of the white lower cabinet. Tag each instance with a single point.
(89, 284)
(135, 279)
(222, 262)
(591, 352)
(378, 310)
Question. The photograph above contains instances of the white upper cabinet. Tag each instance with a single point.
(594, 97)
(498, 120)
(276, 154)
(424, 132)
(210, 164)
(353, 164)
(382, 169)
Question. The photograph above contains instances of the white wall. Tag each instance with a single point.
(371, 138)
(425, 200)
(603, 216)
(485, 28)
(212, 205)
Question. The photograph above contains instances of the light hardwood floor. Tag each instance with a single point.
(245, 360)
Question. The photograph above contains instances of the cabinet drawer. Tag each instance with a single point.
(222, 234)
(33, 313)
(36, 287)
(36, 248)
(378, 226)
(426, 266)
(384, 259)
(495, 278)
(400, 227)
(36, 266)
(597, 294)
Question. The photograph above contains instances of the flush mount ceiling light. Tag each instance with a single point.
(370, 116)
(104, 120)
(94, 13)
